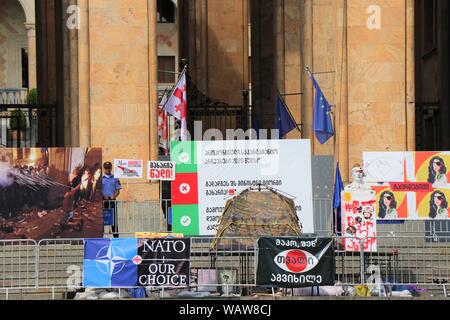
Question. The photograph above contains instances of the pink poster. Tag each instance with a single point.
(359, 220)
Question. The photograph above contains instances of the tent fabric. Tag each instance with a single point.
(258, 212)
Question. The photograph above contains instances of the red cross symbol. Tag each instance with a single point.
(137, 260)
(179, 93)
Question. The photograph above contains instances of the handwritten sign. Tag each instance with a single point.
(359, 220)
(161, 170)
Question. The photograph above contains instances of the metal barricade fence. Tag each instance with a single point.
(131, 217)
(18, 263)
(396, 261)
(410, 260)
(323, 217)
(229, 266)
(347, 264)
(60, 263)
(226, 266)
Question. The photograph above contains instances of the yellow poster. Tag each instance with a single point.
(433, 205)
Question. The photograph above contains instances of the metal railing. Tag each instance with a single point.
(27, 126)
(18, 263)
(230, 268)
(221, 117)
(13, 95)
(131, 217)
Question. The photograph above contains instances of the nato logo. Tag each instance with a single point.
(108, 263)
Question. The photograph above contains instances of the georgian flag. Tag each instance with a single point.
(163, 131)
(176, 104)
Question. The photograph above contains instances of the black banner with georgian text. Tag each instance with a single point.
(295, 262)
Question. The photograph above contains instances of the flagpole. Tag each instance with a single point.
(289, 111)
(335, 135)
(162, 97)
(311, 75)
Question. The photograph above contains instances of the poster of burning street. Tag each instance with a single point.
(48, 193)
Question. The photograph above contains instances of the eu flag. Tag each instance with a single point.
(284, 121)
(338, 188)
(322, 124)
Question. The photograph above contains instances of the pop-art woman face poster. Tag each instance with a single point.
(433, 167)
(391, 205)
(433, 205)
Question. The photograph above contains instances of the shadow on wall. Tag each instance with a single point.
(216, 50)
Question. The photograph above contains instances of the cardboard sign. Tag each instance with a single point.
(161, 170)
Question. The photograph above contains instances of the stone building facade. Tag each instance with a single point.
(103, 74)
(17, 44)
(365, 70)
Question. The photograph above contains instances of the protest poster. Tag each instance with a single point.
(432, 168)
(391, 204)
(433, 205)
(384, 166)
(161, 170)
(119, 263)
(359, 220)
(209, 173)
(128, 169)
(295, 262)
(48, 193)
(422, 194)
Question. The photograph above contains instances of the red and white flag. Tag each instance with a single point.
(176, 104)
(163, 130)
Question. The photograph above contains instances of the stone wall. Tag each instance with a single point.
(113, 76)
(13, 37)
(370, 72)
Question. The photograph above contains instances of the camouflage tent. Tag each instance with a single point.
(256, 212)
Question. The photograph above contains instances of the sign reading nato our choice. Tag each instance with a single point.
(211, 172)
(295, 262)
(112, 263)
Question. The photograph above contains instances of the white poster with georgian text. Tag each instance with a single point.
(229, 167)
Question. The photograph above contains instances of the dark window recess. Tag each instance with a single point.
(166, 11)
(429, 25)
(166, 69)
(25, 68)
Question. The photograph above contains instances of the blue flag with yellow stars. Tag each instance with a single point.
(322, 123)
(284, 121)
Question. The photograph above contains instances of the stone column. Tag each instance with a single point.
(377, 79)
(84, 95)
(153, 79)
(410, 76)
(118, 83)
(341, 96)
(289, 65)
(31, 35)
